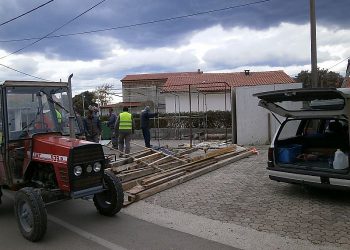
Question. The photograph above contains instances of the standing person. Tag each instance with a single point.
(92, 127)
(125, 126)
(145, 116)
(111, 125)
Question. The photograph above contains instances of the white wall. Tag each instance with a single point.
(199, 102)
(252, 120)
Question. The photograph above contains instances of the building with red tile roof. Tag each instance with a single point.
(153, 87)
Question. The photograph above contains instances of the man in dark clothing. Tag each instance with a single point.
(111, 125)
(125, 127)
(145, 116)
(92, 127)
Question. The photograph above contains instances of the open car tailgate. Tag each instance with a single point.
(302, 103)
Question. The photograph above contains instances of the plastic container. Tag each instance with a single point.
(106, 131)
(341, 160)
(289, 153)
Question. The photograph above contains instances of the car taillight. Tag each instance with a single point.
(270, 157)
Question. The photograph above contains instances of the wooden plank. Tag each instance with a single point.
(170, 165)
(229, 155)
(132, 183)
(148, 157)
(120, 162)
(154, 178)
(187, 151)
(133, 165)
(216, 152)
(163, 180)
(170, 172)
(135, 190)
(161, 160)
(201, 165)
(142, 153)
(137, 174)
(221, 151)
(148, 192)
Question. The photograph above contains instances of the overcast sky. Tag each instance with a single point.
(249, 34)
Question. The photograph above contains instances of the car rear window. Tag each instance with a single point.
(290, 129)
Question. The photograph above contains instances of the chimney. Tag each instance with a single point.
(246, 72)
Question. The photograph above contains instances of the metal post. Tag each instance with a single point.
(178, 97)
(83, 105)
(71, 111)
(206, 116)
(225, 114)
(314, 81)
(158, 130)
(189, 96)
(234, 115)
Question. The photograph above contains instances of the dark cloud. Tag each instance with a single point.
(125, 12)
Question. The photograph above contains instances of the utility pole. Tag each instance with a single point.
(83, 96)
(314, 80)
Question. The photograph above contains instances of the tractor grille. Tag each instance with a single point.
(85, 156)
(87, 153)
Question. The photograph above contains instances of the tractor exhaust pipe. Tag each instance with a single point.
(71, 111)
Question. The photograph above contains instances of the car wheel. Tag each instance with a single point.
(30, 214)
(111, 200)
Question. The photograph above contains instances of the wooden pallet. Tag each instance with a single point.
(149, 171)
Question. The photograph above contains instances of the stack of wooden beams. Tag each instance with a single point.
(147, 172)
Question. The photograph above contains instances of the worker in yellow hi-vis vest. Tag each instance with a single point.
(125, 127)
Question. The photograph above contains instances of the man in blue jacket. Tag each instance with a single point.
(111, 124)
(145, 116)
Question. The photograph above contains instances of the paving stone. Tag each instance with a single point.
(242, 193)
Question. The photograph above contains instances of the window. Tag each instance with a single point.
(290, 129)
(37, 109)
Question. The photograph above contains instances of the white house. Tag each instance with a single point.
(212, 91)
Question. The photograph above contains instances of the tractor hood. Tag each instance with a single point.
(55, 147)
(57, 140)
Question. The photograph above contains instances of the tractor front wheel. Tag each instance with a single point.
(30, 214)
(111, 200)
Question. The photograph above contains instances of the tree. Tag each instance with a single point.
(325, 77)
(104, 94)
(89, 99)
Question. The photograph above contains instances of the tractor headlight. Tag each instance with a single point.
(89, 168)
(97, 166)
(78, 170)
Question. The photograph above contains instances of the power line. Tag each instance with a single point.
(115, 28)
(23, 73)
(65, 24)
(143, 23)
(339, 63)
(1, 24)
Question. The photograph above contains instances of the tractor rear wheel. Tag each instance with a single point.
(30, 214)
(110, 201)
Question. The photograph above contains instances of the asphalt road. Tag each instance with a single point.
(76, 225)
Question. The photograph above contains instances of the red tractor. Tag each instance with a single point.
(41, 158)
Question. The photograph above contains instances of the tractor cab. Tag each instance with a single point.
(29, 110)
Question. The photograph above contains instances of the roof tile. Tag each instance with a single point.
(220, 81)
